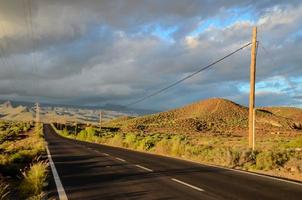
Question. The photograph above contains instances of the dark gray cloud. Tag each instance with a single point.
(97, 52)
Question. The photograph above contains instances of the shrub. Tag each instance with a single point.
(82, 135)
(117, 140)
(163, 146)
(264, 161)
(247, 159)
(267, 160)
(90, 133)
(147, 143)
(32, 184)
(178, 146)
(65, 132)
(130, 140)
(3, 159)
(295, 143)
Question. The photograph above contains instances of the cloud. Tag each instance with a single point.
(98, 52)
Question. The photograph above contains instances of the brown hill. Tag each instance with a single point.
(212, 115)
(19, 113)
(291, 113)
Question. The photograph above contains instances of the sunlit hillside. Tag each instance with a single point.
(212, 115)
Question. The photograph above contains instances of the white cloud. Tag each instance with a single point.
(92, 51)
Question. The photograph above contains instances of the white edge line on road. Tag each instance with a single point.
(260, 175)
(120, 159)
(187, 184)
(60, 188)
(145, 168)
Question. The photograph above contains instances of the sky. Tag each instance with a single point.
(99, 52)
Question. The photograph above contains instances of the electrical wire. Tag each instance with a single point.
(189, 76)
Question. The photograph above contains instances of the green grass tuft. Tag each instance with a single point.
(34, 178)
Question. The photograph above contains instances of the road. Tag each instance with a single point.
(92, 171)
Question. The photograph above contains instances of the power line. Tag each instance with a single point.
(189, 76)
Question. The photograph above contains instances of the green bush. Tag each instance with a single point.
(295, 143)
(178, 146)
(264, 161)
(130, 140)
(82, 135)
(147, 143)
(90, 133)
(267, 160)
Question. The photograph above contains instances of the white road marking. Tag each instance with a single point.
(187, 184)
(120, 159)
(106, 154)
(145, 168)
(60, 188)
(260, 175)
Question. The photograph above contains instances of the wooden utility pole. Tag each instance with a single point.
(65, 121)
(76, 126)
(254, 114)
(100, 120)
(37, 113)
(252, 89)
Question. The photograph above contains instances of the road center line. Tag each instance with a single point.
(120, 159)
(60, 188)
(145, 168)
(187, 184)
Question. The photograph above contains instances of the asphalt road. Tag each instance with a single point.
(91, 171)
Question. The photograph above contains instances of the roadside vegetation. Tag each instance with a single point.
(212, 131)
(275, 154)
(23, 172)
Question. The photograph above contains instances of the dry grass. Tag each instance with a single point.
(33, 181)
(4, 189)
(21, 145)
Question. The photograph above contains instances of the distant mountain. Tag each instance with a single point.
(17, 103)
(214, 115)
(110, 107)
(25, 111)
(18, 113)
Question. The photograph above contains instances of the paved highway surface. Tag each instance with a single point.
(90, 171)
